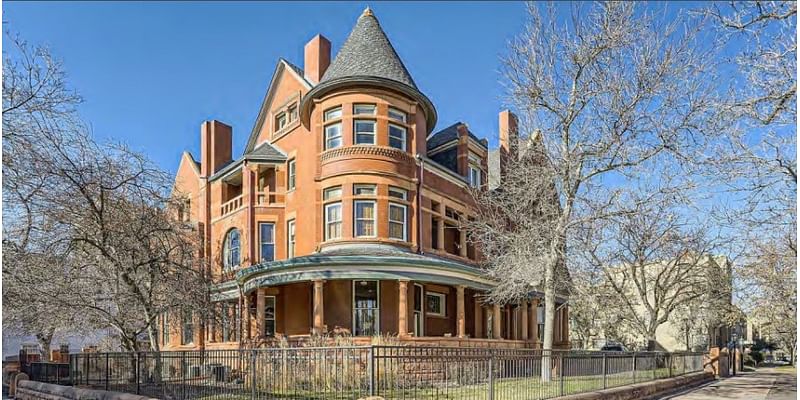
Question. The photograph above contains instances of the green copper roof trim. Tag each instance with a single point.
(314, 260)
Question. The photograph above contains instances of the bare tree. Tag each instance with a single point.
(758, 159)
(116, 255)
(657, 261)
(609, 89)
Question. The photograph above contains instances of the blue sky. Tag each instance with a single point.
(151, 72)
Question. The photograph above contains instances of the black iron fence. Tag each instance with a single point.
(49, 372)
(396, 372)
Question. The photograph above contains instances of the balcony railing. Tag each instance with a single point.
(231, 205)
(267, 198)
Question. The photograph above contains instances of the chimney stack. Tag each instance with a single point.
(509, 134)
(317, 58)
(215, 146)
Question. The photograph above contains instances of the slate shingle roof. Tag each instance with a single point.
(449, 134)
(265, 151)
(368, 52)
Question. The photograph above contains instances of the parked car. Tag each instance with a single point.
(613, 347)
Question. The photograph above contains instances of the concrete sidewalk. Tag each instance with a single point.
(763, 384)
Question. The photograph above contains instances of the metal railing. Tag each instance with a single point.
(395, 372)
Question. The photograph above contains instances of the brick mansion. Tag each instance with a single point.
(341, 215)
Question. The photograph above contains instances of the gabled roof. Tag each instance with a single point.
(265, 152)
(449, 134)
(367, 58)
(282, 66)
(367, 51)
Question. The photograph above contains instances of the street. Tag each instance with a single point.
(762, 384)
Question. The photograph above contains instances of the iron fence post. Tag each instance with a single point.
(605, 371)
(561, 373)
(107, 370)
(136, 372)
(491, 375)
(654, 365)
(371, 370)
(633, 357)
(253, 374)
(86, 368)
(670, 365)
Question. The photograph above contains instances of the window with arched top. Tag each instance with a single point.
(230, 249)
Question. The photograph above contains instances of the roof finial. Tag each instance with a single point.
(367, 12)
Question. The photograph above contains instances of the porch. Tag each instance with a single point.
(413, 312)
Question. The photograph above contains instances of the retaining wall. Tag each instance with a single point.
(31, 390)
(645, 390)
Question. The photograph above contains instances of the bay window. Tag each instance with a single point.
(333, 221)
(397, 137)
(397, 221)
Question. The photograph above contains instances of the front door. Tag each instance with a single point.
(419, 329)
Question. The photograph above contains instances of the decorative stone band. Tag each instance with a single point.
(366, 151)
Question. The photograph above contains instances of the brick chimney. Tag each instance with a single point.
(509, 134)
(509, 141)
(317, 58)
(215, 146)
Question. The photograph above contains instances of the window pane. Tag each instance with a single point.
(365, 218)
(333, 136)
(397, 193)
(361, 109)
(290, 238)
(333, 221)
(365, 308)
(266, 233)
(365, 132)
(332, 193)
(397, 137)
(333, 113)
(362, 189)
(397, 115)
(291, 173)
(434, 304)
(267, 252)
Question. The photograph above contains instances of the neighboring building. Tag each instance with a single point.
(341, 215)
(705, 323)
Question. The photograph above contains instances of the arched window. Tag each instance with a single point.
(230, 249)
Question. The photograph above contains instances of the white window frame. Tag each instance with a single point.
(274, 315)
(327, 193)
(261, 242)
(356, 110)
(365, 186)
(282, 116)
(442, 302)
(474, 176)
(378, 307)
(291, 174)
(226, 249)
(404, 222)
(356, 219)
(397, 115)
(403, 138)
(337, 136)
(398, 190)
(328, 222)
(290, 238)
(332, 113)
(356, 133)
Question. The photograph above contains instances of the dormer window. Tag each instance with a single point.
(363, 109)
(364, 131)
(280, 121)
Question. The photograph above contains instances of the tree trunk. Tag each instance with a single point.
(45, 340)
(549, 320)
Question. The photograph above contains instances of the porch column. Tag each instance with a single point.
(440, 228)
(535, 320)
(496, 321)
(319, 315)
(261, 303)
(461, 321)
(565, 324)
(478, 319)
(524, 319)
(402, 310)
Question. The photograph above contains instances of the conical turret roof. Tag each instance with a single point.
(367, 58)
(368, 52)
